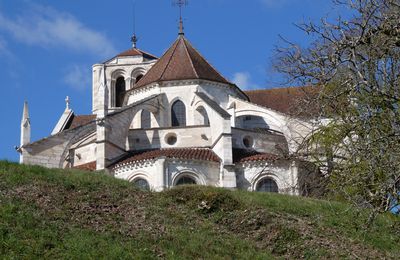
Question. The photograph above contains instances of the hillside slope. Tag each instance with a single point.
(71, 214)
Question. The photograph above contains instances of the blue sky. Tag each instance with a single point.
(47, 47)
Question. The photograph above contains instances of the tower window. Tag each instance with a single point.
(119, 92)
(178, 114)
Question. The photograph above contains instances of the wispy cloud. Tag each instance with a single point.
(78, 77)
(4, 51)
(243, 80)
(47, 27)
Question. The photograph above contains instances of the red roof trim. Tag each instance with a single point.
(202, 154)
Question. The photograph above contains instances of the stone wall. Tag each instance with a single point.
(283, 172)
(53, 151)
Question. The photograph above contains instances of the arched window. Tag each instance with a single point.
(267, 185)
(145, 119)
(119, 92)
(141, 184)
(186, 180)
(201, 116)
(178, 114)
(138, 77)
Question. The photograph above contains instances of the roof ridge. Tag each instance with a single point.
(201, 56)
(190, 57)
(169, 60)
(145, 52)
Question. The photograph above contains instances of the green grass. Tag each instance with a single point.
(80, 215)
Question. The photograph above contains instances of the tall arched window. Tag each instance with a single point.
(145, 119)
(201, 117)
(178, 114)
(267, 185)
(119, 92)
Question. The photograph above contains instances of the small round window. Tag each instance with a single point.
(248, 142)
(171, 139)
(141, 184)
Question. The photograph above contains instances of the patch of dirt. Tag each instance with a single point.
(124, 213)
(291, 237)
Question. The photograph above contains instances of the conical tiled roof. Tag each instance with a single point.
(181, 62)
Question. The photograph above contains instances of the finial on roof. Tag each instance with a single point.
(134, 38)
(67, 101)
(180, 4)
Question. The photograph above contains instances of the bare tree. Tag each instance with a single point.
(355, 66)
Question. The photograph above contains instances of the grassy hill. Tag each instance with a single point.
(71, 214)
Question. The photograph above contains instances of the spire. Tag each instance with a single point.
(134, 38)
(181, 32)
(67, 102)
(25, 113)
(25, 126)
(180, 4)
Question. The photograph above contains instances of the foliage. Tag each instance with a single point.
(71, 214)
(355, 63)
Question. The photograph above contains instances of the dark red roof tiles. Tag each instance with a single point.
(241, 155)
(81, 120)
(91, 166)
(181, 62)
(202, 154)
(137, 52)
(289, 100)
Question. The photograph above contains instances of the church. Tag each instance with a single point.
(161, 122)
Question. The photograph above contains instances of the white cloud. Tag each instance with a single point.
(243, 81)
(4, 51)
(47, 27)
(78, 77)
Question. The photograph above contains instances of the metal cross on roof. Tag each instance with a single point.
(180, 4)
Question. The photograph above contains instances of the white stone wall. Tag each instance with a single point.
(262, 142)
(84, 154)
(283, 172)
(54, 151)
(164, 173)
(150, 170)
(205, 173)
(157, 138)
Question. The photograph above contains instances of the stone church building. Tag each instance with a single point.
(163, 122)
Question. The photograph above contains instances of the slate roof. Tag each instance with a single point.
(181, 62)
(291, 100)
(242, 155)
(137, 52)
(203, 154)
